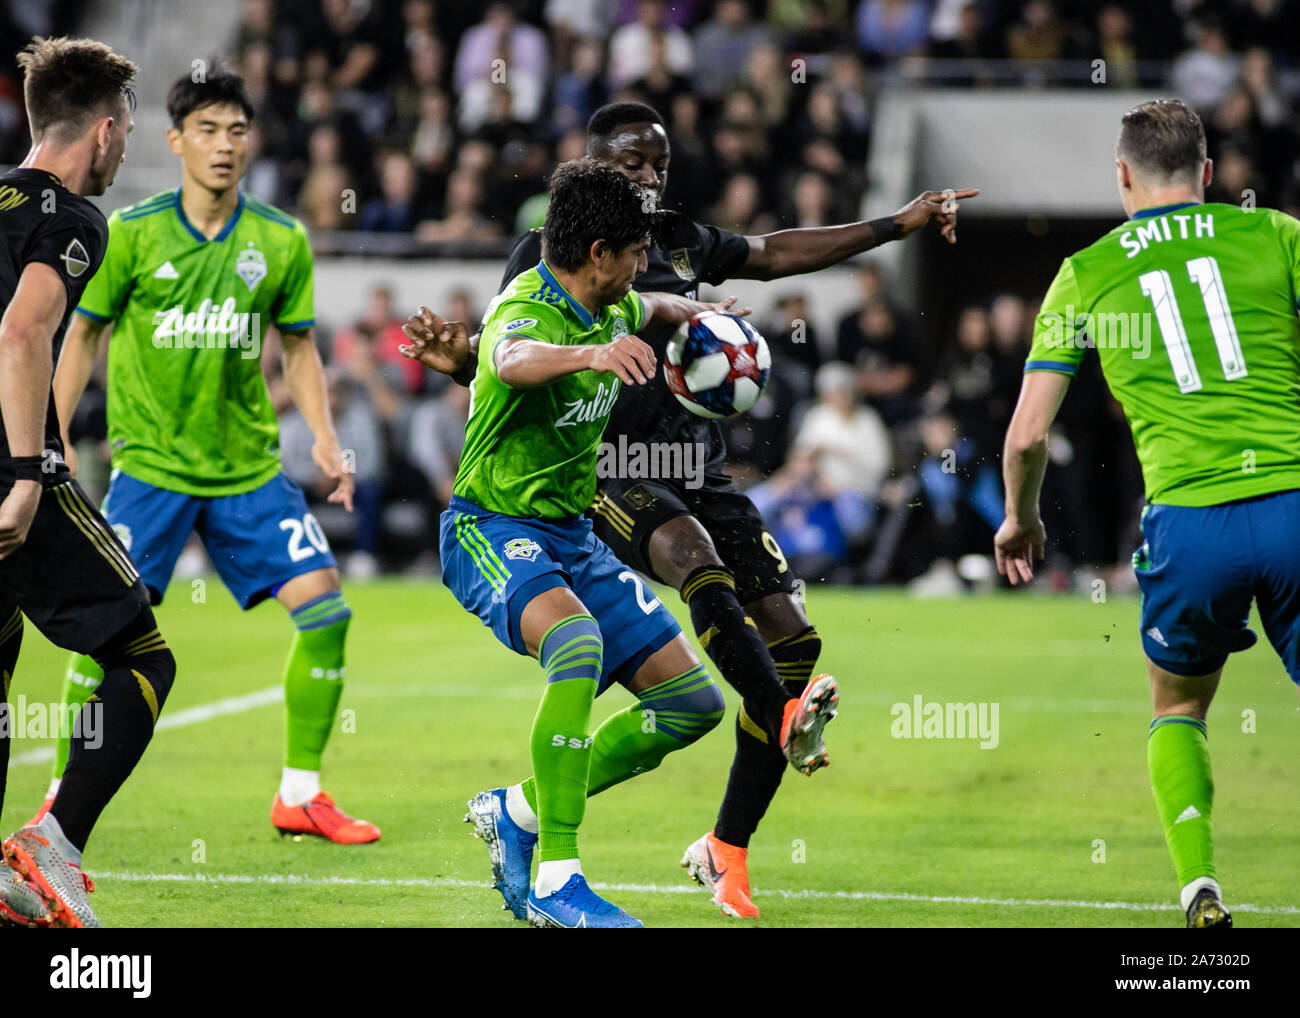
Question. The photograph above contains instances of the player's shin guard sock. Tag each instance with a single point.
(670, 716)
(732, 642)
(313, 684)
(1178, 759)
(570, 654)
(114, 727)
(79, 682)
(759, 765)
(11, 638)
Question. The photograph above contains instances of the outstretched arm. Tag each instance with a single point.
(790, 252)
(76, 365)
(670, 309)
(1022, 538)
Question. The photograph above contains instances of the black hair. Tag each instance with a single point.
(610, 117)
(209, 84)
(591, 202)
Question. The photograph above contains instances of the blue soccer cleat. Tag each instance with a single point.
(509, 846)
(576, 905)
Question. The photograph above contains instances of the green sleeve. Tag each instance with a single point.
(635, 309)
(521, 319)
(105, 295)
(1289, 229)
(295, 308)
(1059, 331)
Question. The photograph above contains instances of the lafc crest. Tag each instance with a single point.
(681, 262)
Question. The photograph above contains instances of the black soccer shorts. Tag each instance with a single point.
(627, 512)
(71, 577)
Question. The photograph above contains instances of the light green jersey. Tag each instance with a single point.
(187, 404)
(1193, 311)
(532, 452)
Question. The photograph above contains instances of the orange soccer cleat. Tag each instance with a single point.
(722, 870)
(321, 818)
(804, 720)
(40, 813)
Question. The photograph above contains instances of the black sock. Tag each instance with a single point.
(11, 638)
(104, 749)
(732, 642)
(759, 765)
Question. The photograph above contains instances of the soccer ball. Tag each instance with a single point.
(718, 365)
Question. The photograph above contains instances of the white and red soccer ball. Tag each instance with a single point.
(719, 366)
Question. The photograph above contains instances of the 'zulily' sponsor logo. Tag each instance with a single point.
(211, 327)
(582, 411)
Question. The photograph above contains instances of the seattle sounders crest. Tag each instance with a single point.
(251, 266)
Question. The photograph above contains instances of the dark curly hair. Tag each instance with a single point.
(591, 202)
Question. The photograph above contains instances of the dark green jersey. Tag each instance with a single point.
(532, 452)
(187, 403)
(1193, 311)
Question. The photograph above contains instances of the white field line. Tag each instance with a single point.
(181, 719)
(304, 881)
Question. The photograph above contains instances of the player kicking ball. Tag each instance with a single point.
(191, 279)
(518, 552)
(1214, 405)
(60, 564)
(709, 543)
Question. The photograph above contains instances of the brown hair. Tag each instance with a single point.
(69, 83)
(1162, 138)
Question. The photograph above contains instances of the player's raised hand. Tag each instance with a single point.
(329, 457)
(1016, 545)
(939, 207)
(435, 342)
(629, 358)
(726, 307)
(16, 514)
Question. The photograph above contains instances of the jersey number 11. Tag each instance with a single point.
(1205, 273)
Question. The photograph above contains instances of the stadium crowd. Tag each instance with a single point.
(874, 455)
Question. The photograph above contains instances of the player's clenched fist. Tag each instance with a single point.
(16, 514)
(629, 358)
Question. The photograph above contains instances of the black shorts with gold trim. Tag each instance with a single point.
(626, 512)
(71, 577)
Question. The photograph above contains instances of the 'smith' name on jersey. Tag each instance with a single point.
(211, 327)
(1186, 226)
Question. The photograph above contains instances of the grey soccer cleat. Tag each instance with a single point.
(60, 883)
(19, 904)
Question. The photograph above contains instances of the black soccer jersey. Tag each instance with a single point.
(42, 221)
(684, 255)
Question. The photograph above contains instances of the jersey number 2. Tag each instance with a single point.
(646, 606)
(1204, 272)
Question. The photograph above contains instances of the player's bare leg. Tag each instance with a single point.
(1179, 761)
(313, 685)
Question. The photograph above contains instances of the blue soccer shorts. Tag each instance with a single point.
(1200, 568)
(496, 564)
(257, 541)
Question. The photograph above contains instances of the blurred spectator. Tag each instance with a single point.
(630, 46)
(380, 326)
(887, 361)
(1116, 45)
(812, 200)
(395, 210)
(724, 45)
(966, 383)
(463, 217)
(579, 87)
(892, 28)
(434, 138)
(502, 54)
(1202, 75)
(740, 209)
(1040, 34)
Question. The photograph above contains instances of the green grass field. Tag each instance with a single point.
(898, 832)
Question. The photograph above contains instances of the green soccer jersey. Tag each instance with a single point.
(532, 452)
(1193, 311)
(187, 404)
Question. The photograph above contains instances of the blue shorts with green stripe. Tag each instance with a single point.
(495, 564)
